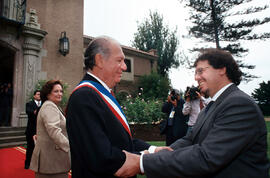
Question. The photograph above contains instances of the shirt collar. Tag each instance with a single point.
(214, 98)
(36, 101)
(100, 81)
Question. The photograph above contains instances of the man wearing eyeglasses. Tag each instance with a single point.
(229, 138)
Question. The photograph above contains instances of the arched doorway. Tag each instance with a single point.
(6, 84)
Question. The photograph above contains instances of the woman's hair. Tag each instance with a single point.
(47, 89)
(218, 59)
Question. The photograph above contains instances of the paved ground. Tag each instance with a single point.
(267, 118)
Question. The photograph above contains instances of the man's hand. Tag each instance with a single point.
(163, 148)
(35, 138)
(198, 95)
(131, 166)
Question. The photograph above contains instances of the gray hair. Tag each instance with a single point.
(100, 45)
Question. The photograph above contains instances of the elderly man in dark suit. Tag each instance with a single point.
(31, 111)
(229, 138)
(97, 128)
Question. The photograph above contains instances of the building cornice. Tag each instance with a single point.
(127, 50)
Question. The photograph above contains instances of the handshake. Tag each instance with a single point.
(132, 165)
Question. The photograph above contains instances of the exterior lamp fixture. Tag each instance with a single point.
(63, 44)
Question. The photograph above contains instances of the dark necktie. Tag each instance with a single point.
(208, 106)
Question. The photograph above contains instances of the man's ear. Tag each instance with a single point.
(99, 60)
(222, 71)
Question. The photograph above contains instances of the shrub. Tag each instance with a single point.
(137, 110)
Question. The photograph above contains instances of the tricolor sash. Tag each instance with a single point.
(109, 100)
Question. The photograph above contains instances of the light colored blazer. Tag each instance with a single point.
(51, 154)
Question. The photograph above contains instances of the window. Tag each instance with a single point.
(128, 63)
(128, 74)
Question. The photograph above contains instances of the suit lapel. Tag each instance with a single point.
(34, 105)
(202, 117)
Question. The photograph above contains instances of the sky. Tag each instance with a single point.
(119, 20)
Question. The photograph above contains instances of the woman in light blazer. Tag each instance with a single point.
(51, 156)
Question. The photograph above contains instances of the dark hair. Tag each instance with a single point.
(35, 92)
(218, 59)
(47, 89)
(100, 45)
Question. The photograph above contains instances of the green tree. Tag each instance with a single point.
(221, 22)
(262, 96)
(154, 34)
(154, 86)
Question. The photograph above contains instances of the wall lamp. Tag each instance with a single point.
(63, 44)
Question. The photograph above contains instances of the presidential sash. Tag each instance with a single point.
(108, 99)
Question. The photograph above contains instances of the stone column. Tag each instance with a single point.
(33, 38)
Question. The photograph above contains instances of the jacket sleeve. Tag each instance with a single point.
(186, 108)
(140, 145)
(30, 109)
(167, 107)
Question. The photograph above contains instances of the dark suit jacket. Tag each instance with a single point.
(31, 106)
(96, 136)
(179, 127)
(229, 141)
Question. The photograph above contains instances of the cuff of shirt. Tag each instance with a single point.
(152, 149)
(141, 163)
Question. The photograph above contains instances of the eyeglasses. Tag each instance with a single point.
(199, 71)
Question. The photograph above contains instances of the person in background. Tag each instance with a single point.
(5, 105)
(31, 111)
(10, 97)
(176, 124)
(229, 138)
(193, 105)
(51, 155)
(2, 106)
(97, 128)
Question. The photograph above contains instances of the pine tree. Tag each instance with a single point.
(220, 22)
(262, 96)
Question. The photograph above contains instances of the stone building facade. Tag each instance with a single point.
(29, 49)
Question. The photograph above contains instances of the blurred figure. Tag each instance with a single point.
(5, 105)
(51, 154)
(31, 111)
(193, 105)
(176, 126)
